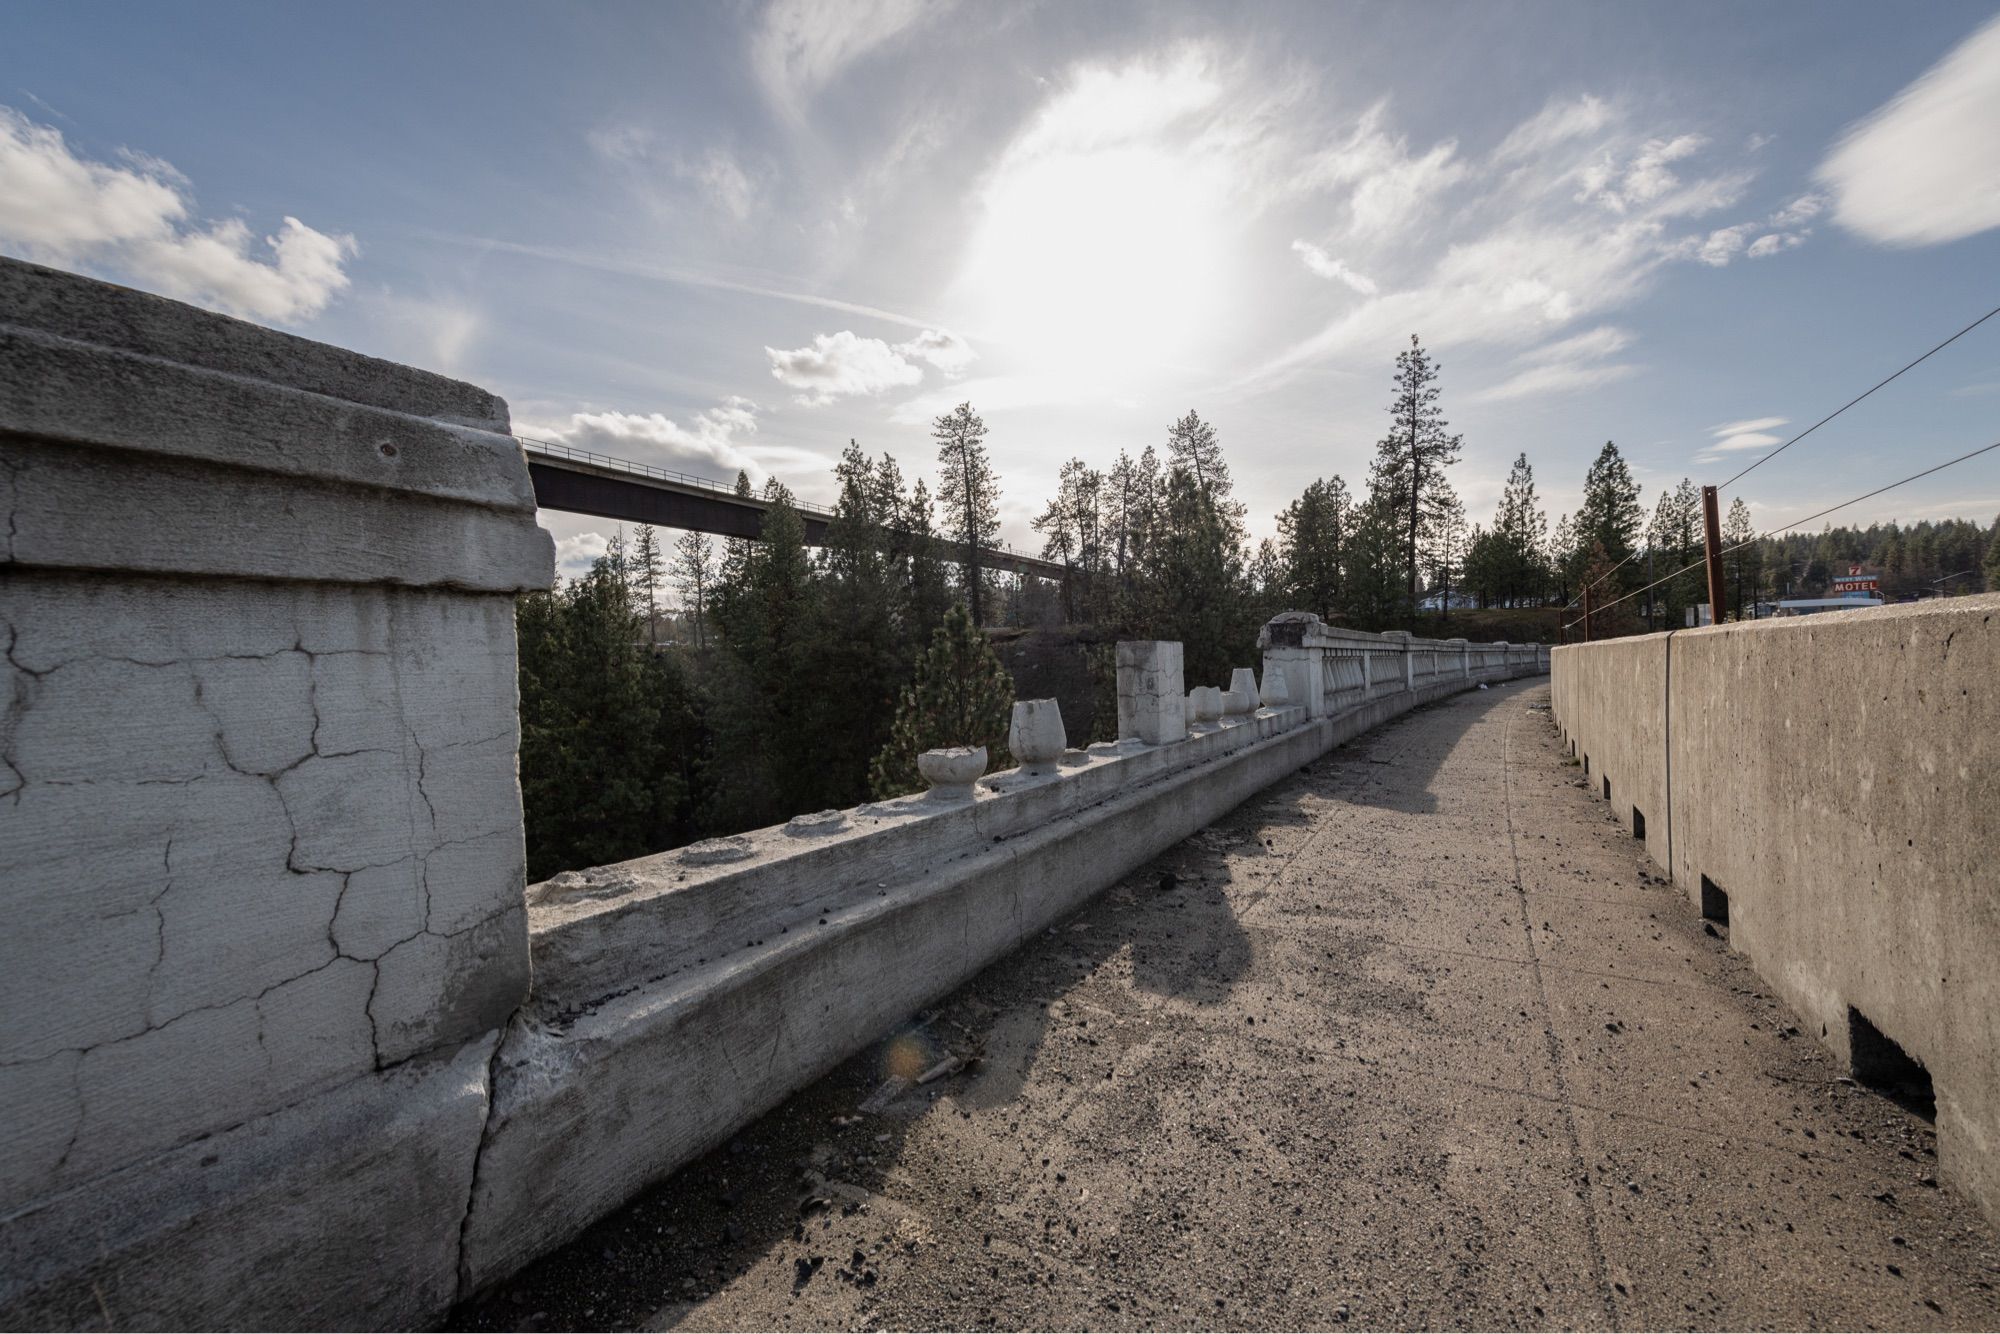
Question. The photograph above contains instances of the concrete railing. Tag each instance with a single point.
(271, 1056)
(1827, 790)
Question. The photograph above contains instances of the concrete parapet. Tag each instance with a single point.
(262, 834)
(1827, 790)
(677, 997)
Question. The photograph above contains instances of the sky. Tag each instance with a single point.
(738, 235)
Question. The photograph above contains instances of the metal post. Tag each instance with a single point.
(1713, 526)
(1586, 613)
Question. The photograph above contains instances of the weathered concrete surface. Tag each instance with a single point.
(679, 996)
(1413, 1039)
(1838, 778)
(260, 827)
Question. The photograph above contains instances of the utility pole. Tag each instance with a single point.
(1586, 613)
(1713, 526)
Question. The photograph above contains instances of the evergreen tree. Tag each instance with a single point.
(1197, 588)
(962, 696)
(694, 574)
(1312, 545)
(1193, 447)
(643, 569)
(927, 596)
(1521, 527)
(862, 660)
(1375, 595)
(1741, 565)
(1444, 550)
(1410, 462)
(970, 494)
(1992, 564)
(1610, 515)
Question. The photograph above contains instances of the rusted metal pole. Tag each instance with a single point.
(1712, 525)
(1586, 613)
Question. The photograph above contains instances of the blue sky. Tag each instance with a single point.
(739, 234)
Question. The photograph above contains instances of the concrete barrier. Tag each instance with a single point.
(1827, 790)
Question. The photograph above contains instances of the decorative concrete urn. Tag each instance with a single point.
(951, 772)
(1276, 694)
(1205, 702)
(1242, 696)
(1036, 736)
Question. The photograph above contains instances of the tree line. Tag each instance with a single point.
(791, 680)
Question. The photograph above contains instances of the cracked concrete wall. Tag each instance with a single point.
(1838, 778)
(260, 827)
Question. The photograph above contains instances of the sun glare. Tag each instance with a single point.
(1103, 265)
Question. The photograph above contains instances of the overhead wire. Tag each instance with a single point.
(1802, 435)
(1785, 527)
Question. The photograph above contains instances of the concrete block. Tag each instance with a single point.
(340, 1212)
(1152, 693)
(432, 991)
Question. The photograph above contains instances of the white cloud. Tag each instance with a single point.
(1555, 124)
(837, 365)
(1386, 186)
(722, 182)
(1925, 168)
(940, 348)
(1591, 345)
(801, 46)
(1565, 365)
(1801, 210)
(843, 364)
(1718, 247)
(1568, 218)
(1552, 380)
(1735, 437)
(1774, 243)
(710, 446)
(1326, 266)
(1748, 424)
(132, 220)
(575, 555)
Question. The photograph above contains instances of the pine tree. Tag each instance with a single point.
(1992, 564)
(1522, 528)
(962, 696)
(1742, 570)
(1444, 549)
(1610, 515)
(694, 574)
(861, 657)
(1193, 447)
(1410, 462)
(927, 596)
(643, 569)
(1374, 594)
(969, 493)
(1312, 545)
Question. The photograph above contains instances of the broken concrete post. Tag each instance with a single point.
(262, 868)
(1205, 704)
(1274, 695)
(1036, 735)
(1151, 694)
(952, 771)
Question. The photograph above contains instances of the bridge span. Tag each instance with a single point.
(1415, 1038)
(577, 481)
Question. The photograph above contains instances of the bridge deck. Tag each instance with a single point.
(1412, 1039)
(576, 481)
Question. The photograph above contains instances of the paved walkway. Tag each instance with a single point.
(1413, 1039)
